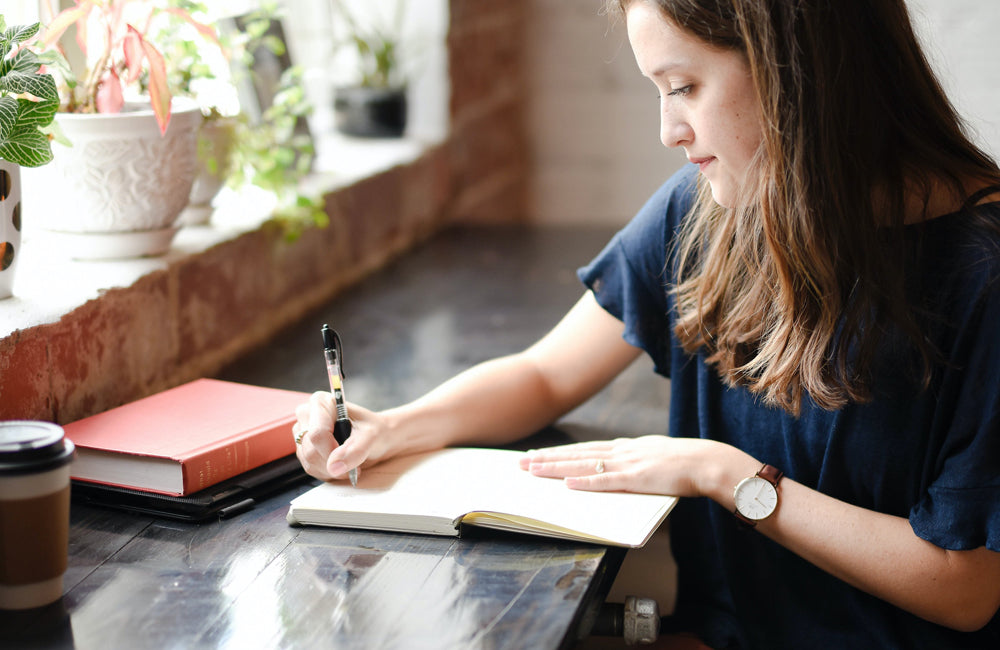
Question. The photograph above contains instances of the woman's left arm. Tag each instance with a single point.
(875, 552)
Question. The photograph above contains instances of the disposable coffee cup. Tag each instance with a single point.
(34, 512)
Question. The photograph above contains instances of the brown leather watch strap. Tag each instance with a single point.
(744, 521)
(771, 474)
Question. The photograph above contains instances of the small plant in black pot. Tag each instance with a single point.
(374, 106)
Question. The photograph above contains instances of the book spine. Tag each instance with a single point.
(235, 456)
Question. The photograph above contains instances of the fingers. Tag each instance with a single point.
(345, 458)
(583, 466)
(575, 451)
(591, 473)
(579, 459)
(580, 466)
(313, 430)
(320, 413)
(318, 450)
(652, 464)
(606, 482)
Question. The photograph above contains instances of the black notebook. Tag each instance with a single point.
(225, 499)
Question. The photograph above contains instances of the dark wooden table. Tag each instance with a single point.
(254, 582)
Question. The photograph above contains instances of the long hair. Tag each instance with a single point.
(793, 288)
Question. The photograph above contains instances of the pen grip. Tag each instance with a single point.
(341, 430)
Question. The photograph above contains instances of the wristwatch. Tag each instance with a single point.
(756, 496)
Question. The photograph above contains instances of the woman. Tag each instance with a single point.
(822, 287)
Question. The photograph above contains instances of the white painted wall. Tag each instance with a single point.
(962, 39)
(593, 119)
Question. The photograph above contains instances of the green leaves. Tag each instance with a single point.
(20, 74)
(14, 35)
(377, 47)
(28, 99)
(21, 140)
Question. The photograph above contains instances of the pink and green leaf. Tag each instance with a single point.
(61, 23)
(159, 92)
(109, 97)
(134, 54)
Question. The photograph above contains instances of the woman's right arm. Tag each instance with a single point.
(492, 403)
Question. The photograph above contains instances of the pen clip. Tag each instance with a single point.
(330, 337)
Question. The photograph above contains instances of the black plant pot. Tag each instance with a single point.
(370, 112)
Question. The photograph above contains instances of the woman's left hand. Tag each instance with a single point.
(650, 464)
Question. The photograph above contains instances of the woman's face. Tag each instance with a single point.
(707, 100)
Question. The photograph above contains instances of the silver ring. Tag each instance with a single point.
(600, 466)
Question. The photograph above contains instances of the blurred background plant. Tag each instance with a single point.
(377, 43)
(268, 145)
(276, 151)
(372, 102)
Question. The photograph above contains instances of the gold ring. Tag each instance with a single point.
(600, 466)
(298, 437)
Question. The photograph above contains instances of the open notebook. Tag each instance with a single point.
(437, 493)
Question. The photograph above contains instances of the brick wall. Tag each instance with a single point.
(485, 47)
(206, 309)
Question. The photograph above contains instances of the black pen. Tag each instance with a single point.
(332, 352)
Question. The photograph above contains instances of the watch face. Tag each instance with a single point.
(756, 498)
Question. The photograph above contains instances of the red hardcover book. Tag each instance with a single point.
(187, 438)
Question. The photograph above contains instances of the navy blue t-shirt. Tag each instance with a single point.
(932, 456)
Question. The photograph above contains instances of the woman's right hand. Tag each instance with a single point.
(318, 451)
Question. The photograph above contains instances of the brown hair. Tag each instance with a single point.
(793, 287)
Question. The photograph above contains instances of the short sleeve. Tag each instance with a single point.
(630, 278)
(961, 508)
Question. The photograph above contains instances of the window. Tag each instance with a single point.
(20, 12)
(308, 27)
(315, 29)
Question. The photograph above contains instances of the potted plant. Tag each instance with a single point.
(264, 147)
(199, 69)
(133, 159)
(274, 150)
(375, 105)
(28, 102)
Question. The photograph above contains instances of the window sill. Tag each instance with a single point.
(47, 287)
(79, 337)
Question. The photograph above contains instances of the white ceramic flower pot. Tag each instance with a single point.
(117, 192)
(10, 225)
